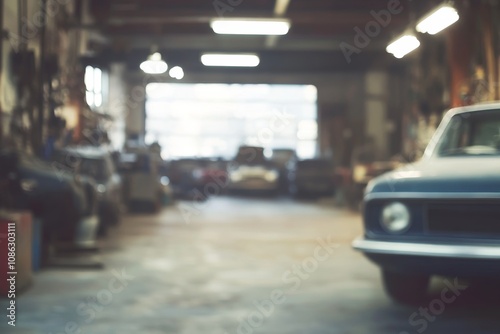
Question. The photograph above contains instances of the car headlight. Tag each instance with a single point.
(236, 177)
(271, 176)
(395, 217)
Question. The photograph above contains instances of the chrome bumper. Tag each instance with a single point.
(427, 250)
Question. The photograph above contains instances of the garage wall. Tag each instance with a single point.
(117, 109)
(61, 56)
(8, 94)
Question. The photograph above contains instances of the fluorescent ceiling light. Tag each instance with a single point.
(438, 20)
(250, 26)
(154, 64)
(231, 60)
(403, 45)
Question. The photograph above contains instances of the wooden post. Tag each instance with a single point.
(460, 38)
(489, 50)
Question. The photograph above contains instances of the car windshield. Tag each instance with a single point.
(283, 155)
(251, 155)
(472, 134)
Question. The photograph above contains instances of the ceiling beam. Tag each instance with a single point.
(298, 31)
(351, 18)
(280, 9)
(235, 44)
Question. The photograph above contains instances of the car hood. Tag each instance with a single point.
(47, 179)
(449, 175)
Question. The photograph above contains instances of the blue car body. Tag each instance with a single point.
(452, 199)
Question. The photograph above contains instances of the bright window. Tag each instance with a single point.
(93, 85)
(213, 120)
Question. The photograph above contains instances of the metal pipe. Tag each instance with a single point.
(41, 76)
(1, 63)
(20, 22)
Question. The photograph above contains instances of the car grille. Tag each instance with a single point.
(482, 220)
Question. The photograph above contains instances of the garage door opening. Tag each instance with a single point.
(213, 120)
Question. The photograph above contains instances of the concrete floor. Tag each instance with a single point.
(214, 269)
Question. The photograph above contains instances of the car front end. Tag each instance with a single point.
(441, 215)
(449, 234)
(253, 178)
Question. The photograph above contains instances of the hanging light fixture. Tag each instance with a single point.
(403, 45)
(438, 19)
(176, 72)
(154, 64)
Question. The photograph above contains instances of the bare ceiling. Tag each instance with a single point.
(181, 30)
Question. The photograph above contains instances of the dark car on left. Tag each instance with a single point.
(97, 164)
(65, 204)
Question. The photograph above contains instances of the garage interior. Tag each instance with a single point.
(122, 148)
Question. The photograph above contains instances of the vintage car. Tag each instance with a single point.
(213, 173)
(145, 189)
(441, 215)
(186, 176)
(97, 164)
(65, 203)
(250, 171)
(284, 159)
(312, 177)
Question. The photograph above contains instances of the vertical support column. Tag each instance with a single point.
(136, 113)
(320, 119)
(41, 74)
(1, 69)
(117, 103)
(489, 49)
(323, 130)
(376, 84)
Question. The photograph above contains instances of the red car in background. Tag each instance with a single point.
(190, 177)
(213, 173)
